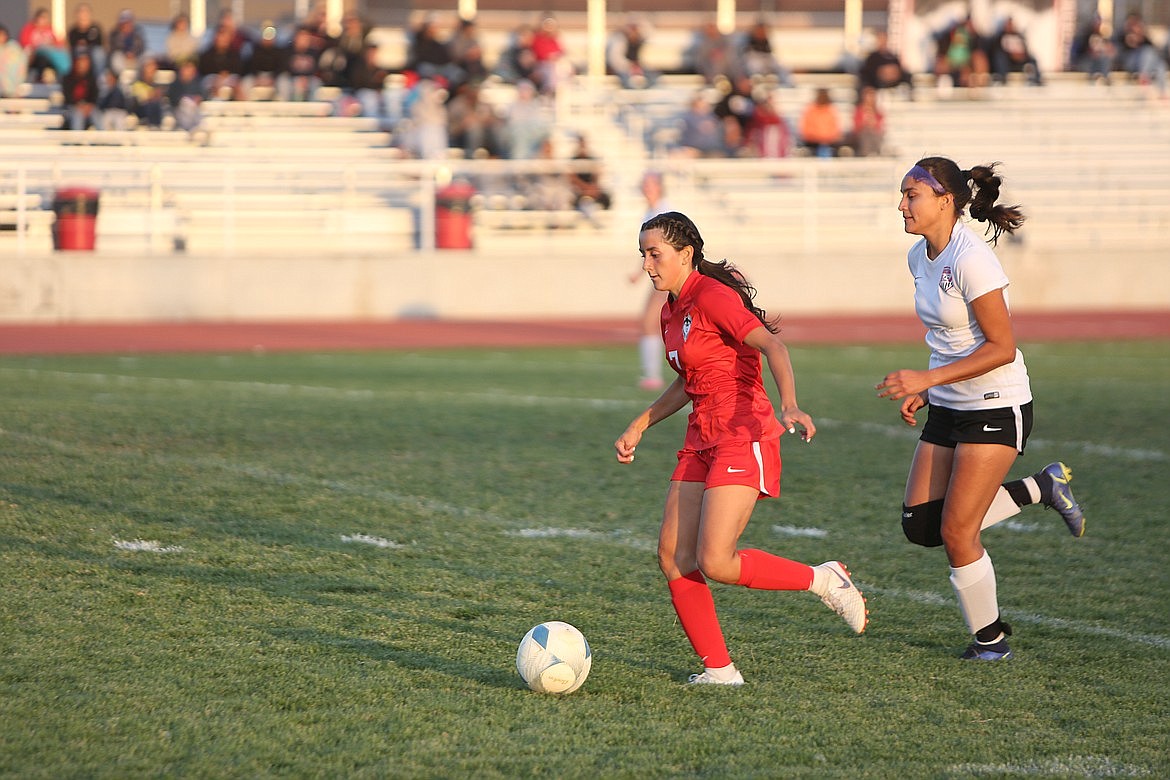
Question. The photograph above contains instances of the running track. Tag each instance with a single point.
(408, 334)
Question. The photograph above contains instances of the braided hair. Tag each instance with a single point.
(679, 231)
(978, 187)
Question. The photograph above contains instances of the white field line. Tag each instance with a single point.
(1072, 766)
(505, 397)
(619, 536)
(144, 545)
(376, 541)
(792, 530)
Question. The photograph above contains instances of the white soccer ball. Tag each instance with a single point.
(554, 658)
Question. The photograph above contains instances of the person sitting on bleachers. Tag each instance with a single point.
(427, 55)
(712, 55)
(127, 43)
(185, 96)
(181, 44)
(1092, 51)
(589, 195)
(44, 50)
(467, 53)
(820, 126)
(552, 60)
(869, 125)
(1009, 54)
(768, 134)
(1138, 55)
(962, 56)
(367, 80)
(266, 71)
(221, 67)
(757, 58)
(472, 124)
(147, 99)
(13, 64)
(700, 131)
(517, 62)
(79, 88)
(303, 66)
(623, 57)
(113, 106)
(85, 33)
(883, 69)
(526, 124)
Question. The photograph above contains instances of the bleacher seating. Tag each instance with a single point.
(1088, 164)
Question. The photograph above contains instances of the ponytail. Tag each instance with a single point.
(978, 187)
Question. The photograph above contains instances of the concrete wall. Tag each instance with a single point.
(558, 280)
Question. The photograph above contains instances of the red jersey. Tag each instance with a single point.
(703, 331)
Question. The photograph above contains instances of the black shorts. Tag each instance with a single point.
(1007, 425)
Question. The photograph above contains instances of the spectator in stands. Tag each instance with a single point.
(221, 67)
(266, 71)
(820, 126)
(426, 107)
(147, 99)
(517, 62)
(13, 64)
(185, 96)
(241, 39)
(585, 181)
(869, 125)
(181, 45)
(757, 58)
(712, 55)
(552, 61)
(623, 57)
(526, 124)
(1138, 55)
(113, 107)
(738, 105)
(48, 58)
(548, 190)
(701, 132)
(85, 33)
(1010, 54)
(367, 83)
(79, 88)
(427, 55)
(472, 124)
(962, 56)
(351, 46)
(303, 69)
(467, 53)
(127, 43)
(768, 134)
(1092, 51)
(883, 69)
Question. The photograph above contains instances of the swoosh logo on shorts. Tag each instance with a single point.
(730, 470)
(989, 429)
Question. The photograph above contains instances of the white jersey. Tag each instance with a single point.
(943, 291)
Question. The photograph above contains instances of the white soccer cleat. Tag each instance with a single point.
(843, 597)
(705, 678)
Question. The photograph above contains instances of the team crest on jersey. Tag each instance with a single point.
(686, 327)
(946, 282)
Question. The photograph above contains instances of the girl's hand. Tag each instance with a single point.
(790, 418)
(902, 383)
(910, 405)
(626, 444)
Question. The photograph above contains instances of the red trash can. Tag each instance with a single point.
(453, 216)
(76, 225)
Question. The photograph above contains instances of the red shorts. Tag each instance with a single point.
(750, 463)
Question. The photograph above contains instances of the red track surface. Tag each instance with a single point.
(426, 334)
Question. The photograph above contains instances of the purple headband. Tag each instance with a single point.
(918, 173)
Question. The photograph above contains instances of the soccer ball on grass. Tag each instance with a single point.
(554, 658)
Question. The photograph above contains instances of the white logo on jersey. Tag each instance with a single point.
(686, 327)
(947, 280)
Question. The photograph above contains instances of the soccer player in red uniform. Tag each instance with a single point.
(714, 337)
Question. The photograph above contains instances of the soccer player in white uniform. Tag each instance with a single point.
(976, 390)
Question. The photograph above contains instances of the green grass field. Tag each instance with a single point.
(321, 566)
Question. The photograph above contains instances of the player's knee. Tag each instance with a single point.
(922, 523)
(718, 568)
